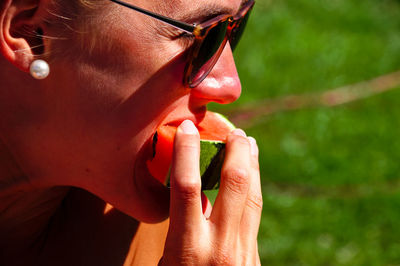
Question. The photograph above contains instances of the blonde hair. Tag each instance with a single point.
(74, 19)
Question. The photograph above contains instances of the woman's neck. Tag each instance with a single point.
(24, 209)
(24, 218)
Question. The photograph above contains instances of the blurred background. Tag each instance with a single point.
(321, 95)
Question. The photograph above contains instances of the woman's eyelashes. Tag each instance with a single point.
(185, 39)
(169, 34)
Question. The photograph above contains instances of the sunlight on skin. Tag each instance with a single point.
(108, 208)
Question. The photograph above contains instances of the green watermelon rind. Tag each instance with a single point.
(212, 155)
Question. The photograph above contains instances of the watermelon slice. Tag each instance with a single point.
(213, 130)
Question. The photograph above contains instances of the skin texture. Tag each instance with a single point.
(115, 77)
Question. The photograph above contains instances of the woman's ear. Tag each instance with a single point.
(20, 35)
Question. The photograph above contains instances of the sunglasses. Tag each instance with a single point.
(210, 36)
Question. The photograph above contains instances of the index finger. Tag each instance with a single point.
(185, 204)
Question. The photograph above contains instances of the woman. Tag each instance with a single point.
(116, 73)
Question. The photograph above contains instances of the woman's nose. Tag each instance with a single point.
(222, 84)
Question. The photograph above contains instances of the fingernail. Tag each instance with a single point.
(253, 146)
(188, 127)
(239, 132)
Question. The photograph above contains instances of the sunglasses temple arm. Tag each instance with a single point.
(189, 28)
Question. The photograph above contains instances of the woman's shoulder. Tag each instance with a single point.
(148, 244)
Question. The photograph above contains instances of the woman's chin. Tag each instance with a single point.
(152, 195)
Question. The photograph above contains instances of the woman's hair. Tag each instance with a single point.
(72, 19)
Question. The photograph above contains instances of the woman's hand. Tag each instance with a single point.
(229, 235)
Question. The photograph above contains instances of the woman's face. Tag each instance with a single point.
(113, 81)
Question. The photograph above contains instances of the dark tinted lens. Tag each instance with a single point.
(237, 31)
(209, 52)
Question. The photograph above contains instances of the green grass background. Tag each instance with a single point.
(330, 176)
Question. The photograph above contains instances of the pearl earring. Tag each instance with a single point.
(39, 69)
